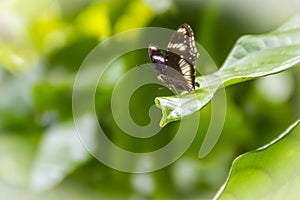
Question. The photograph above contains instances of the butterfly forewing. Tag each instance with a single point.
(182, 43)
(182, 53)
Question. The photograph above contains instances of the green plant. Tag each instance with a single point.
(270, 172)
(253, 56)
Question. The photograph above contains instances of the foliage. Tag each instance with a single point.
(269, 172)
(41, 49)
(253, 56)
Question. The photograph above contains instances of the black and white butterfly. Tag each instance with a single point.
(176, 68)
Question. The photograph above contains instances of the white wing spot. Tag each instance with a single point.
(160, 58)
(182, 48)
(182, 30)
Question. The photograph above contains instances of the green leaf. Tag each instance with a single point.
(271, 172)
(253, 56)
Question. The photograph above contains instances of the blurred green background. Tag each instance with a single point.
(42, 45)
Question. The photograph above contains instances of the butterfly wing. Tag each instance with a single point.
(157, 58)
(172, 78)
(182, 54)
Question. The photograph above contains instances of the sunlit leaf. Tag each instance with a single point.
(253, 56)
(271, 172)
(49, 32)
(137, 14)
(94, 21)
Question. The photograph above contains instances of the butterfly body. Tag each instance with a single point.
(176, 68)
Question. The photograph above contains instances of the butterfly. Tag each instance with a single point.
(176, 68)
